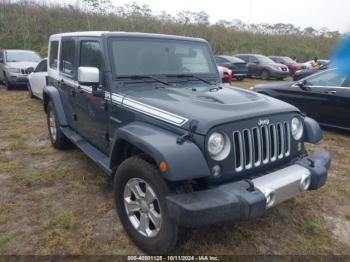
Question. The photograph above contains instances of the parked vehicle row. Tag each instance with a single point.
(272, 67)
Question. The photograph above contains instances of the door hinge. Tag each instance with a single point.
(75, 117)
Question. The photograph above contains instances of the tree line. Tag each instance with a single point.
(28, 24)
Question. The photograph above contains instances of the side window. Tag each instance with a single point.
(42, 67)
(53, 54)
(90, 54)
(329, 78)
(220, 59)
(244, 58)
(253, 60)
(67, 57)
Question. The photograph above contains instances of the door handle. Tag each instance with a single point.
(332, 92)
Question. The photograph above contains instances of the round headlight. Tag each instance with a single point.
(216, 143)
(297, 128)
(218, 146)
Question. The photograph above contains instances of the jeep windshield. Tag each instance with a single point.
(161, 57)
(22, 56)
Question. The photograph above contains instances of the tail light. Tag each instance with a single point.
(227, 78)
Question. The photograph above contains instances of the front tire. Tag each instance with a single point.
(265, 75)
(58, 139)
(140, 197)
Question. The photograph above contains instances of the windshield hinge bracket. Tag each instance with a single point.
(189, 133)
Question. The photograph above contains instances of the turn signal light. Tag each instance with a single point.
(163, 166)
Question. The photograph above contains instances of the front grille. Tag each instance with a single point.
(261, 145)
(284, 69)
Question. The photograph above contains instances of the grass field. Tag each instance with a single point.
(59, 202)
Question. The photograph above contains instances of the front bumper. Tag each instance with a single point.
(279, 74)
(240, 201)
(17, 78)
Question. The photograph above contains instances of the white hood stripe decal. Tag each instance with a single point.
(146, 109)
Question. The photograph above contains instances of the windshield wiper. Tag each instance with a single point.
(189, 75)
(138, 77)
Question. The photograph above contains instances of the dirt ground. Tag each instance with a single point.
(59, 202)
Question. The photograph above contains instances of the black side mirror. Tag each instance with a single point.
(97, 91)
(303, 85)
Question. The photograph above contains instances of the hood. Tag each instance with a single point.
(280, 65)
(22, 65)
(209, 105)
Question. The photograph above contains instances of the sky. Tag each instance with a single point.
(334, 14)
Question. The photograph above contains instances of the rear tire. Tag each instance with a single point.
(148, 204)
(58, 139)
(265, 75)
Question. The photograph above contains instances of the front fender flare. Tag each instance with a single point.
(51, 94)
(185, 161)
(313, 132)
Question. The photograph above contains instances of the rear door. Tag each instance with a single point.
(91, 109)
(245, 58)
(254, 66)
(67, 82)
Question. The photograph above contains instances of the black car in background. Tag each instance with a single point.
(264, 67)
(236, 65)
(306, 72)
(324, 96)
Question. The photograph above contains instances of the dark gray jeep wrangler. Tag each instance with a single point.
(184, 150)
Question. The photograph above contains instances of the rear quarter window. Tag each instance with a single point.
(53, 60)
(68, 54)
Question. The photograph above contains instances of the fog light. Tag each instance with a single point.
(305, 183)
(270, 198)
(216, 171)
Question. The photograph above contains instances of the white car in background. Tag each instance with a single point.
(37, 80)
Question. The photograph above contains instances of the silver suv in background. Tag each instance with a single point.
(16, 64)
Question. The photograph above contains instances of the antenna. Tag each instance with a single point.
(250, 12)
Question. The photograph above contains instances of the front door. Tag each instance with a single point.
(327, 89)
(91, 109)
